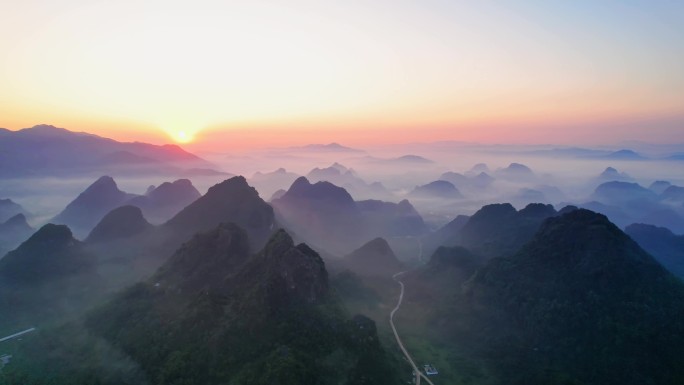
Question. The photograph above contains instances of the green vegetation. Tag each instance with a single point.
(580, 304)
(268, 318)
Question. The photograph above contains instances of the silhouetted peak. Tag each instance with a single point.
(279, 243)
(278, 194)
(182, 183)
(300, 184)
(647, 230)
(339, 167)
(45, 129)
(493, 211)
(414, 159)
(302, 189)
(438, 188)
(517, 166)
(624, 154)
(51, 235)
(232, 200)
(103, 183)
(673, 192)
(538, 210)
(292, 274)
(17, 221)
(236, 184)
(659, 186)
(567, 209)
(518, 169)
(122, 222)
(378, 245)
(480, 168)
(177, 189)
(586, 238)
(623, 191)
(206, 259)
(375, 257)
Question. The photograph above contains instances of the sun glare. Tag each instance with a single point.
(182, 137)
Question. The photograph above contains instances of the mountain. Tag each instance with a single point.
(498, 229)
(660, 242)
(516, 172)
(675, 157)
(478, 168)
(122, 222)
(216, 314)
(404, 160)
(413, 159)
(270, 182)
(8, 209)
(161, 203)
(659, 186)
(327, 216)
(330, 147)
(48, 150)
(322, 213)
(528, 195)
(50, 253)
(437, 189)
(331, 174)
(375, 258)
(665, 217)
(347, 178)
(12, 232)
(622, 192)
(616, 214)
(232, 200)
(84, 212)
(468, 182)
(455, 178)
(388, 218)
(611, 174)
(447, 235)
(580, 303)
(277, 195)
(49, 275)
(624, 155)
(673, 193)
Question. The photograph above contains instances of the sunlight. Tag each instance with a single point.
(182, 136)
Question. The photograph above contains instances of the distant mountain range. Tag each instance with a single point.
(330, 147)
(12, 232)
(9, 208)
(326, 215)
(406, 160)
(47, 150)
(158, 204)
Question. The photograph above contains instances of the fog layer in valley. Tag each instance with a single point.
(189, 261)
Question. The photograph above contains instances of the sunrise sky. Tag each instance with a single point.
(226, 74)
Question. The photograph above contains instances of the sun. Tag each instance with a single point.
(182, 136)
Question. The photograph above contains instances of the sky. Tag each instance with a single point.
(226, 74)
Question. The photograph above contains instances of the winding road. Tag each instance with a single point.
(416, 370)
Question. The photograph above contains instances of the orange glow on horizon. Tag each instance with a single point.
(218, 75)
